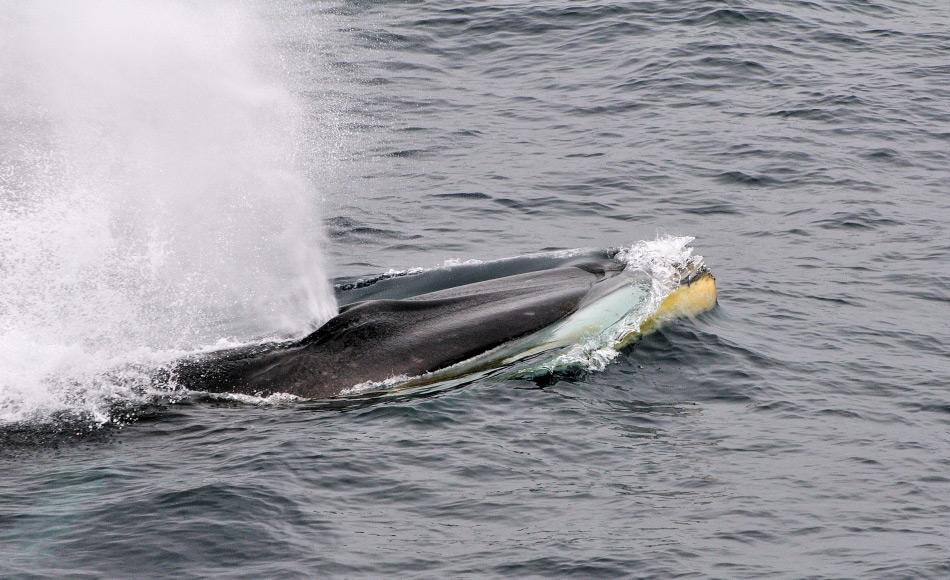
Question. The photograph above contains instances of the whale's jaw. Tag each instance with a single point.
(696, 295)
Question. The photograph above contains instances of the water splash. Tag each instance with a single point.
(151, 200)
(666, 260)
(383, 385)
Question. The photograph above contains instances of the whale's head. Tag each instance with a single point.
(696, 293)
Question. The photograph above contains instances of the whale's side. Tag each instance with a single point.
(448, 325)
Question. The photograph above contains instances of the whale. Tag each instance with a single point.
(430, 326)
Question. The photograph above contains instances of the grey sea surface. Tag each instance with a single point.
(801, 429)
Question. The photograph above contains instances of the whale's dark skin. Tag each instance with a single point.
(409, 334)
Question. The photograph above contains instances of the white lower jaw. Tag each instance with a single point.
(588, 323)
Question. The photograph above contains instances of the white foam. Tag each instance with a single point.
(275, 400)
(376, 385)
(665, 259)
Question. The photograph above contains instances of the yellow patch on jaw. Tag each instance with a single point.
(688, 300)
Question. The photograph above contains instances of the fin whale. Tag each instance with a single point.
(442, 323)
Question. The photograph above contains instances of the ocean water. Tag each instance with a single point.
(801, 429)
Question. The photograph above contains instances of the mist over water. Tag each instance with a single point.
(151, 195)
